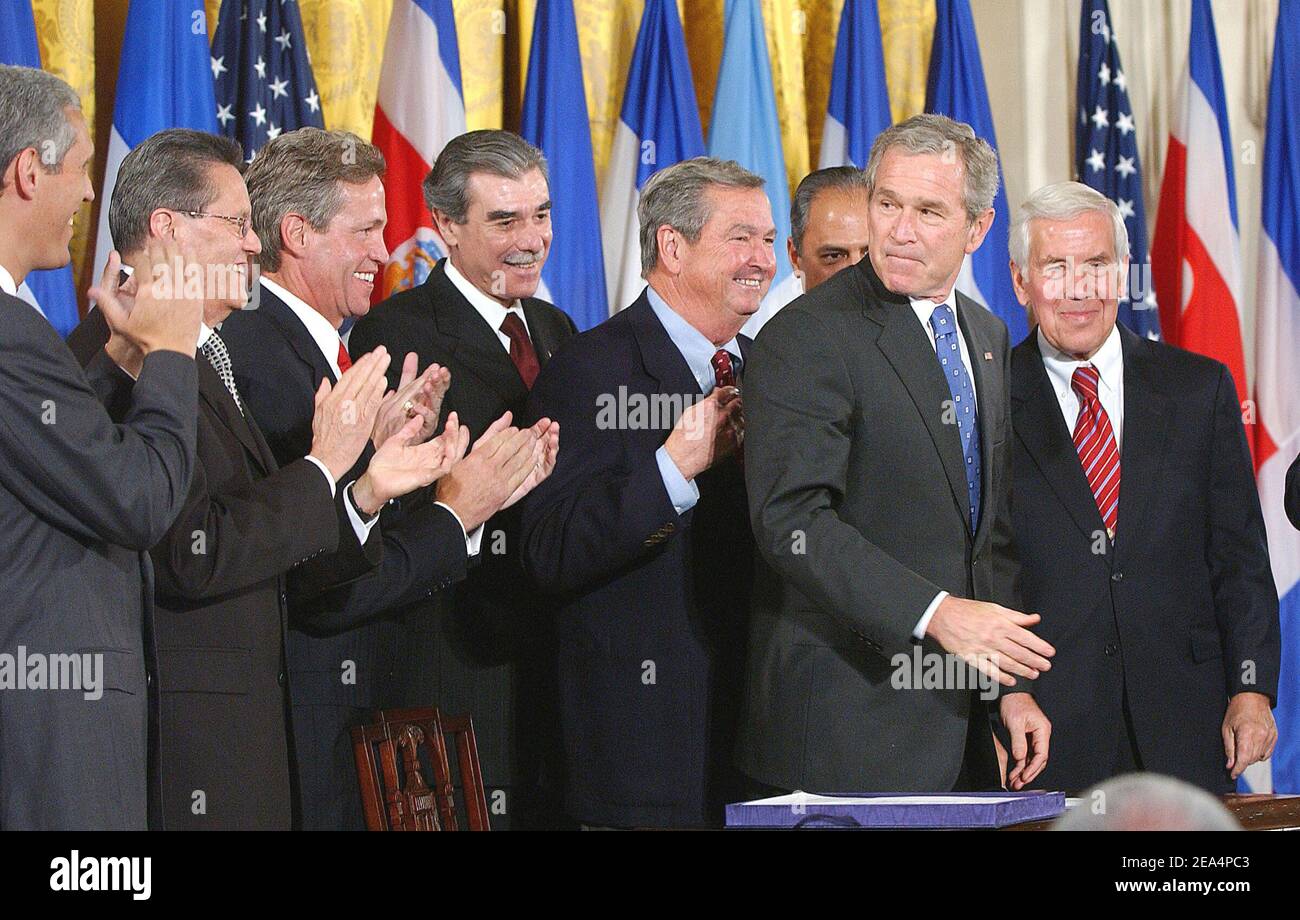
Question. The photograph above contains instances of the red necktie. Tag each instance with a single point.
(1094, 439)
(724, 375)
(344, 360)
(521, 348)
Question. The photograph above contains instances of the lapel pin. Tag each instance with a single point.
(988, 356)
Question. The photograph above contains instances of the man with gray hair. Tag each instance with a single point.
(488, 648)
(641, 532)
(1137, 520)
(1147, 802)
(828, 233)
(82, 498)
(318, 207)
(878, 467)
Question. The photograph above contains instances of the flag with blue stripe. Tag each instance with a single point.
(858, 107)
(166, 72)
(745, 128)
(659, 125)
(555, 120)
(1106, 152)
(264, 81)
(956, 88)
(51, 292)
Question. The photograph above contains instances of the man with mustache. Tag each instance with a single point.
(82, 498)
(486, 646)
(641, 532)
(879, 479)
(1138, 522)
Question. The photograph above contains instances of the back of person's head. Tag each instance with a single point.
(1147, 802)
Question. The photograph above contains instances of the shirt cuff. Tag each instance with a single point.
(681, 493)
(473, 541)
(360, 526)
(924, 623)
(329, 477)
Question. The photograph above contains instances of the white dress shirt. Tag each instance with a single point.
(7, 282)
(1109, 362)
(491, 309)
(923, 309)
(327, 339)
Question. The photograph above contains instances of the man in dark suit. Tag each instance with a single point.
(81, 498)
(223, 570)
(1138, 522)
(1293, 493)
(641, 532)
(318, 209)
(486, 646)
(878, 475)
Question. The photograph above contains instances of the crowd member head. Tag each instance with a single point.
(1147, 802)
(185, 185)
(318, 208)
(932, 186)
(707, 242)
(490, 197)
(1069, 259)
(45, 157)
(829, 223)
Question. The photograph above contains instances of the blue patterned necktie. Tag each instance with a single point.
(944, 324)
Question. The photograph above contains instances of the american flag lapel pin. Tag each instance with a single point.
(988, 356)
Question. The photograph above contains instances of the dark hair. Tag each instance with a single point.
(498, 153)
(841, 177)
(166, 170)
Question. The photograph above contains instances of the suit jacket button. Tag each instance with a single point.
(280, 679)
(669, 527)
(1117, 576)
(148, 679)
(1110, 650)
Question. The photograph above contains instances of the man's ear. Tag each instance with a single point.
(794, 256)
(979, 229)
(670, 243)
(293, 234)
(446, 227)
(23, 173)
(162, 224)
(1018, 282)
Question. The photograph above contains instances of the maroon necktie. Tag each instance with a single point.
(521, 348)
(1094, 439)
(724, 375)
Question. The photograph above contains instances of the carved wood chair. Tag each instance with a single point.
(395, 794)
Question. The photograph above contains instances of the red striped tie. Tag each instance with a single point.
(1094, 439)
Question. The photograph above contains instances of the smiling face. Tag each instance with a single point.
(216, 244)
(836, 235)
(731, 265)
(1072, 282)
(63, 192)
(340, 263)
(503, 242)
(919, 230)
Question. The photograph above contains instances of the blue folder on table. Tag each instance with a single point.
(897, 810)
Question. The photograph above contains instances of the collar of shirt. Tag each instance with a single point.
(694, 345)
(7, 283)
(322, 331)
(1109, 362)
(205, 333)
(923, 309)
(492, 310)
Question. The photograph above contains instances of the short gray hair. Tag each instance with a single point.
(169, 169)
(497, 153)
(941, 135)
(300, 172)
(1061, 201)
(847, 178)
(1147, 802)
(32, 104)
(676, 196)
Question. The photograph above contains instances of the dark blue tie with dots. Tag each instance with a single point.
(944, 324)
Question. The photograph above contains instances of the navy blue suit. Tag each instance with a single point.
(652, 604)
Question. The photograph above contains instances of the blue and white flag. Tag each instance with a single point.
(264, 83)
(51, 292)
(555, 120)
(745, 128)
(956, 88)
(858, 107)
(1277, 386)
(1106, 151)
(164, 80)
(659, 126)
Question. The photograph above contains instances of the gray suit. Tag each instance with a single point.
(858, 501)
(81, 501)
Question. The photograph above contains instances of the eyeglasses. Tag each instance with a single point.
(239, 223)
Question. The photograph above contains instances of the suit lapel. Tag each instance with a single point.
(904, 344)
(1146, 428)
(213, 392)
(472, 340)
(659, 356)
(296, 334)
(1041, 428)
(540, 330)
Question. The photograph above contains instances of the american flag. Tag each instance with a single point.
(263, 77)
(1106, 153)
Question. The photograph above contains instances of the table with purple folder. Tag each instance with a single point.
(876, 810)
